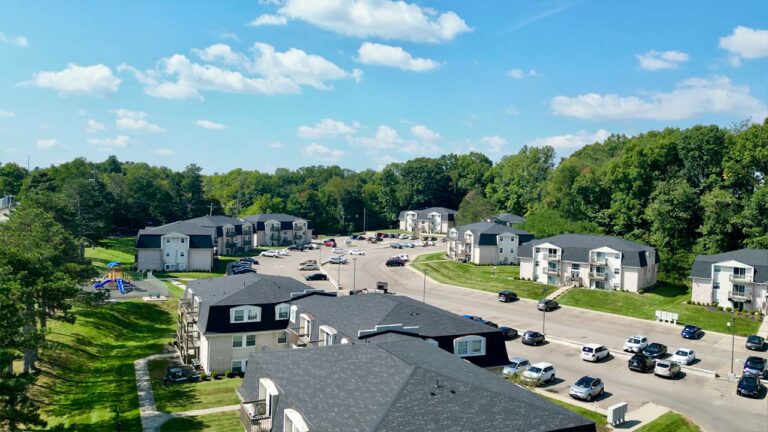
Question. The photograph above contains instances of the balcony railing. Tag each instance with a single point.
(598, 276)
(187, 339)
(298, 236)
(254, 416)
(274, 228)
(595, 261)
(551, 271)
(229, 233)
(739, 279)
(187, 311)
(740, 295)
(552, 257)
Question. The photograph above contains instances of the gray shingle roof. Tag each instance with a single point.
(422, 214)
(576, 248)
(215, 221)
(507, 218)
(181, 227)
(757, 258)
(485, 233)
(280, 217)
(404, 385)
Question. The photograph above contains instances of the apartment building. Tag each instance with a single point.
(592, 261)
(508, 219)
(7, 203)
(486, 243)
(178, 246)
(277, 229)
(399, 384)
(222, 320)
(433, 220)
(737, 279)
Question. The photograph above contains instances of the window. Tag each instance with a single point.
(293, 313)
(167, 240)
(575, 267)
(717, 269)
(282, 311)
(328, 334)
(239, 365)
(167, 254)
(600, 284)
(182, 240)
(617, 271)
(181, 253)
(250, 340)
(243, 314)
(716, 285)
(282, 338)
(535, 263)
(237, 341)
(293, 421)
(501, 250)
(538, 250)
(469, 346)
(617, 255)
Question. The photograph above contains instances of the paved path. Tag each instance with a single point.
(560, 291)
(206, 411)
(151, 418)
(763, 328)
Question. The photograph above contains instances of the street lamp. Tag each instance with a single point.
(732, 325)
(354, 273)
(424, 294)
(338, 277)
(544, 314)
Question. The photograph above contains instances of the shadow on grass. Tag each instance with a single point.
(183, 424)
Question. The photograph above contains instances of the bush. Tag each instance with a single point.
(728, 309)
(241, 374)
(203, 376)
(215, 375)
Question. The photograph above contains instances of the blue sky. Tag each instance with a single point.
(360, 83)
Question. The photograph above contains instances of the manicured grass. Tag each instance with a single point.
(485, 278)
(173, 290)
(666, 297)
(87, 370)
(191, 396)
(221, 422)
(112, 249)
(670, 422)
(600, 420)
(219, 270)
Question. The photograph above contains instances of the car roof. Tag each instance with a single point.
(684, 349)
(691, 326)
(518, 359)
(542, 365)
(658, 362)
(637, 336)
(755, 358)
(592, 345)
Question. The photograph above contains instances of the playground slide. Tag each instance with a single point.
(120, 286)
(102, 283)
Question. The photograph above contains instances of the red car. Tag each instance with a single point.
(330, 243)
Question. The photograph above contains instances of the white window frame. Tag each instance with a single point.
(243, 364)
(285, 308)
(328, 334)
(293, 421)
(248, 312)
(292, 315)
(282, 335)
(249, 336)
(473, 346)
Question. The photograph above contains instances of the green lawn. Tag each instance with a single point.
(485, 278)
(112, 249)
(600, 420)
(219, 270)
(221, 422)
(191, 396)
(87, 370)
(665, 297)
(670, 422)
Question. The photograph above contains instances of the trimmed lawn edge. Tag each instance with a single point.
(670, 422)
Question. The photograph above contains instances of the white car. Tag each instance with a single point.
(539, 373)
(429, 243)
(419, 244)
(594, 352)
(402, 257)
(282, 252)
(636, 343)
(269, 253)
(516, 366)
(684, 356)
(308, 266)
(337, 260)
(356, 252)
(338, 251)
(404, 236)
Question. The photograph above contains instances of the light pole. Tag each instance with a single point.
(544, 314)
(338, 277)
(354, 274)
(732, 325)
(424, 294)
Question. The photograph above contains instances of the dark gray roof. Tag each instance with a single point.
(350, 314)
(181, 227)
(485, 233)
(239, 290)
(422, 214)
(507, 218)
(405, 385)
(576, 248)
(215, 221)
(757, 258)
(280, 217)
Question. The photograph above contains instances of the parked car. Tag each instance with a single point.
(316, 277)
(395, 262)
(329, 243)
(242, 270)
(547, 305)
(356, 252)
(418, 244)
(516, 365)
(508, 332)
(594, 352)
(404, 236)
(251, 260)
(684, 356)
(337, 260)
(754, 366)
(269, 253)
(295, 247)
(409, 245)
(533, 338)
(402, 257)
(692, 332)
(655, 350)
(636, 343)
(666, 369)
(472, 317)
(373, 239)
(338, 251)
(749, 386)
(308, 266)
(507, 296)
(396, 246)
(539, 373)
(282, 252)
(641, 363)
(481, 320)
(586, 388)
(180, 374)
(755, 343)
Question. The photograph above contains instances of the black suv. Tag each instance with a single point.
(395, 262)
(316, 277)
(656, 350)
(180, 374)
(507, 296)
(641, 363)
(508, 332)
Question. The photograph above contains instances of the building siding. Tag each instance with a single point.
(221, 353)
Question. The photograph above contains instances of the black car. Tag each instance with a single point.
(533, 338)
(242, 270)
(641, 363)
(295, 247)
(692, 332)
(749, 386)
(394, 262)
(507, 296)
(249, 260)
(547, 305)
(316, 277)
(508, 332)
(396, 246)
(180, 374)
(755, 343)
(754, 366)
(655, 350)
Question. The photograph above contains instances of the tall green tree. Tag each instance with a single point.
(754, 219)
(517, 180)
(718, 230)
(673, 214)
(474, 208)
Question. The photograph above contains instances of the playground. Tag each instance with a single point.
(117, 279)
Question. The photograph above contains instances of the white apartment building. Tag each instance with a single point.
(178, 246)
(433, 220)
(737, 279)
(486, 243)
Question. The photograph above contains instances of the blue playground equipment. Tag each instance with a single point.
(120, 286)
(115, 278)
(102, 283)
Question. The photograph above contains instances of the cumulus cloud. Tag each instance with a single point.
(7, 114)
(386, 19)
(657, 60)
(118, 141)
(269, 20)
(327, 128)
(393, 56)
(19, 41)
(322, 152)
(387, 137)
(520, 74)
(46, 144)
(690, 98)
(745, 43)
(207, 124)
(424, 133)
(571, 141)
(92, 126)
(134, 120)
(493, 143)
(90, 80)
(163, 152)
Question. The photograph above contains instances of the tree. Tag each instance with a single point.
(474, 208)
(11, 178)
(517, 180)
(673, 215)
(718, 229)
(546, 222)
(467, 172)
(754, 219)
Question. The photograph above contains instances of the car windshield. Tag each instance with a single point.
(584, 382)
(513, 365)
(749, 381)
(533, 334)
(654, 347)
(682, 353)
(754, 339)
(634, 340)
(587, 350)
(534, 369)
(755, 362)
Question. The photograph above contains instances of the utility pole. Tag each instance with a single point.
(338, 277)
(732, 325)
(364, 224)
(424, 292)
(544, 315)
(210, 211)
(354, 274)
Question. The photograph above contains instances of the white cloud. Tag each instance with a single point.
(657, 60)
(207, 124)
(276, 144)
(91, 80)
(388, 138)
(266, 20)
(520, 74)
(223, 53)
(7, 114)
(493, 143)
(228, 35)
(424, 133)
(92, 126)
(19, 40)
(384, 19)
(134, 120)
(327, 128)
(571, 141)
(745, 43)
(322, 152)
(46, 144)
(118, 141)
(690, 98)
(393, 56)
(163, 152)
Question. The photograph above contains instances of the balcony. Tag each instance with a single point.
(551, 271)
(740, 296)
(598, 276)
(298, 236)
(740, 279)
(229, 233)
(596, 261)
(187, 311)
(300, 337)
(254, 416)
(274, 237)
(552, 257)
(274, 228)
(298, 228)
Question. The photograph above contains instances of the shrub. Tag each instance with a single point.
(728, 309)
(241, 374)
(203, 376)
(215, 375)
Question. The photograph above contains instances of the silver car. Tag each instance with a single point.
(587, 388)
(666, 369)
(516, 365)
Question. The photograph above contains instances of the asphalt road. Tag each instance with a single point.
(710, 402)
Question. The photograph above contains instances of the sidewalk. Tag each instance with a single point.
(763, 331)
(206, 411)
(151, 418)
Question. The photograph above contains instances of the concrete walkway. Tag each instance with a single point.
(763, 331)
(560, 291)
(151, 418)
(206, 411)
